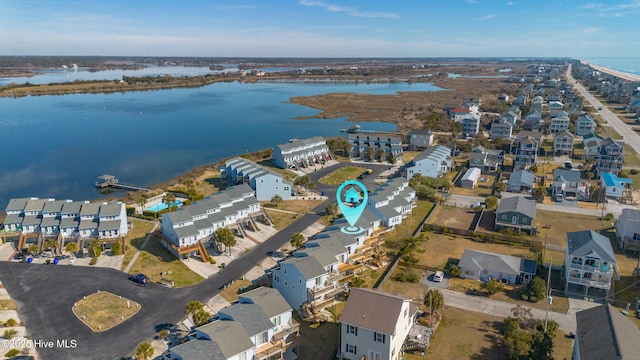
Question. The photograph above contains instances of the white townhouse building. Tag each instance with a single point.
(302, 153)
(234, 206)
(392, 201)
(266, 182)
(375, 325)
(259, 326)
(435, 161)
(361, 143)
(318, 272)
(107, 220)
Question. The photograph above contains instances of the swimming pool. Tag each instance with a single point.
(161, 206)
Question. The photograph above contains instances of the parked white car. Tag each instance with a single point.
(438, 276)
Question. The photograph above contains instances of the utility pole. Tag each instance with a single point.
(546, 318)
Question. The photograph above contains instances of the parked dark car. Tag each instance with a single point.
(139, 279)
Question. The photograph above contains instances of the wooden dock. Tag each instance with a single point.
(110, 181)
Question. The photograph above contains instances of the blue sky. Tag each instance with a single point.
(312, 28)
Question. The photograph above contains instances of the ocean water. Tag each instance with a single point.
(56, 146)
(629, 65)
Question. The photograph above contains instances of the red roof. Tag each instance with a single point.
(460, 110)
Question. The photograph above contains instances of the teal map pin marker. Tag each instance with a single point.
(352, 204)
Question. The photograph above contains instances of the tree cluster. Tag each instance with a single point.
(535, 290)
(426, 187)
(525, 338)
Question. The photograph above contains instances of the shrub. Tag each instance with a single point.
(115, 248)
(9, 334)
(608, 217)
(11, 353)
(373, 274)
(454, 271)
(212, 260)
(10, 322)
(535, 290)
(93, 261)
(406, 276)
(634, 171)
(493, 286)
(444, 230)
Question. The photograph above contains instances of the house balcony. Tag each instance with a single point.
(590, 283)
(603, 269)
(285, 338)
(631, 244)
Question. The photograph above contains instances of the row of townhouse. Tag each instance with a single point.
(66, 218)
(184, 228)
(363, 145)
(317, 272)
(435, 161)
(266, 182)
(259, 326)
(302, 153)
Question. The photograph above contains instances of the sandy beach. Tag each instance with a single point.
(625, 76)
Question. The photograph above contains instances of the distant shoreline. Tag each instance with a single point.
(619, 74)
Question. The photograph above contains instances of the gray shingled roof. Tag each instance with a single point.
(308, 266)
(35, 205)
(89, 209)
(230, 336)
(517, 204)
(522, 176)
(604, 333)
(568, 175)
(53, 206)
(110, 209)
(71, 207)
(584, 243)
(14, 219)
(438, 153)
(480, 260)
(107, 225)
(300, 143)
(50, 221)
(198, 349)
(88, 224)
(373, 310)
(324, 256)
(182, 215)
(17, 204)
(31, 220)
(250, 316)
(69, 222)
(269, 299)
(333, 245)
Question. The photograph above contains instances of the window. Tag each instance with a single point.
(514, 219)
(262, 338)
(300, 280)
(378, 337)
(286, 283)
(276, 278)
(277, 321)
(353, 330)
(350, 348)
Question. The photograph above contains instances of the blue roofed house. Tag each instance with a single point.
(616, 187)
(479, 265)
(435, 161)
(589, 261)
(266, 182)
(521, 181)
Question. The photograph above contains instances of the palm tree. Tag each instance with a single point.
(193, 307)
(71, 247)
(226, 237)
(32, 249)
(144, 351)
(276, 200)
(169, 199)
(297, 240)
(142, 201)
(201, 317)
(51, 244)
(434, 300)
(500, 187)
(381, 155)
(332, 209)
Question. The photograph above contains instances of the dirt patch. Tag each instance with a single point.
(102, 311)
(453, 217)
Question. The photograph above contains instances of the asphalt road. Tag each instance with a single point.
(367, 181)
(630, 137)
(45, 295)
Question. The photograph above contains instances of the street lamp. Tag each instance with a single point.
(549, 299)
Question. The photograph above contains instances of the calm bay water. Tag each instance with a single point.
(56, 146)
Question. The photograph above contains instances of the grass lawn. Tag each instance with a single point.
(231, 292)
(465, 334)
(7, 304)
(155, 259)
(409, 155)
(280, 219)
(341, 175)
(438, 248)
(409, 225)
(631, 157)
(135, 238)
(320, 342)
(560, 225)
(414, 291)
(453, 217)
(102, 311)
(297, 206)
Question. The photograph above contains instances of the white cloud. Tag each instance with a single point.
(349, 10)
(471, 1)
(510, 3)
(490, 16)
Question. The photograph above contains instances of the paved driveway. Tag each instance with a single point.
(428, 280)
(46, 293)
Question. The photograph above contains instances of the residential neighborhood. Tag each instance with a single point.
(519, 209)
